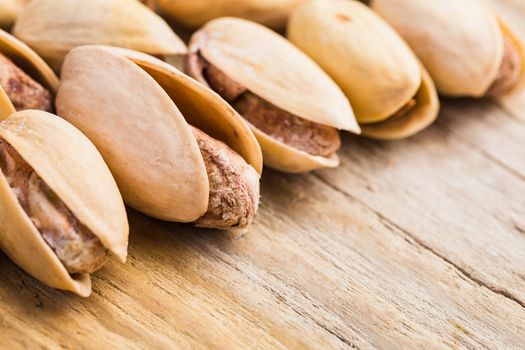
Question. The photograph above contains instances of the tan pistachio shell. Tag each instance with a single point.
(374, 67)
(201, 107)
(195, 13)
(459, 42)
(9, 10)
(140, 131)
(423, 114)
(71, 166)
(53, 27)
(275, 70)
(28, 60)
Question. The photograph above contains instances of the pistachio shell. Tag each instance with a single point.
(146, 142)
(282, 157)
(68, 163)
(459, 42)
(195, 13)
(201, 107)
(9, 9)
(520, 47)
(272, 68)
(420, 117)
(6, 107)
(24, 57)
(375, 68)
(53, 27)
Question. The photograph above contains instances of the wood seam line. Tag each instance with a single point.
(483, 152)
(500, 291)
(507, 112)
(334, 333)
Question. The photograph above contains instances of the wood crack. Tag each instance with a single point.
(508, 112)
(485, 153)
(500, 291)
(282, 298)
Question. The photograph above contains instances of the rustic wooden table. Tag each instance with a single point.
(416, 244)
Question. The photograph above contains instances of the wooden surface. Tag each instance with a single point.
(418, 244)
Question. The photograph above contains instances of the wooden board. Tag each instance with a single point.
(415, 244)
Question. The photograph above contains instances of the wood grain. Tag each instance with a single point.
(417, 244)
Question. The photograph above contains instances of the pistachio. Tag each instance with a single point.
(9, 10)
(509, 74)
(194, 14)
(75, 245)
(448, 34)
(53, 27)
(234, 185)
(301, 134)
(60, 209)
(136, 110)
(28, 81)
(294, 108)
(391, 93)
(24, 92)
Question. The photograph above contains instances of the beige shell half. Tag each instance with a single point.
(370, 62)
(53, 27)
(273, 69)
(71, 166)
(422, 115)
(9, 10)
(459, 42)
(195, 13)
(201, 107)
(28, 60)
(141, 133)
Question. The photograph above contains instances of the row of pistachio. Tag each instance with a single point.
(62, 205)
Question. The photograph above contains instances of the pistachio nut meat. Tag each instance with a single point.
(466, 48)
(60, 209)
(53, 27)
(293, 107)
(177, 150)
(194, 14)
(26, 79)
(391, 94)
(9, 10)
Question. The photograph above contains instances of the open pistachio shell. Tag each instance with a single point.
(146, 141)
(246, 52)
(374, 67)
(71, 166)
(461, 43)
(201, 107)
(273, 13)
(25, 58)
(9, 10)
(421, 116)
(53, 27)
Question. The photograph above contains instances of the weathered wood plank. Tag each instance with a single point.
(487, 126)
(318, 270)
(448, 195)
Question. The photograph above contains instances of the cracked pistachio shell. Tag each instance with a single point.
(9, 10)
(28, 60)
(136, 110)
(71, 166)
(195, 13)
(273, 69)
(459, 42)
(53, 27)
